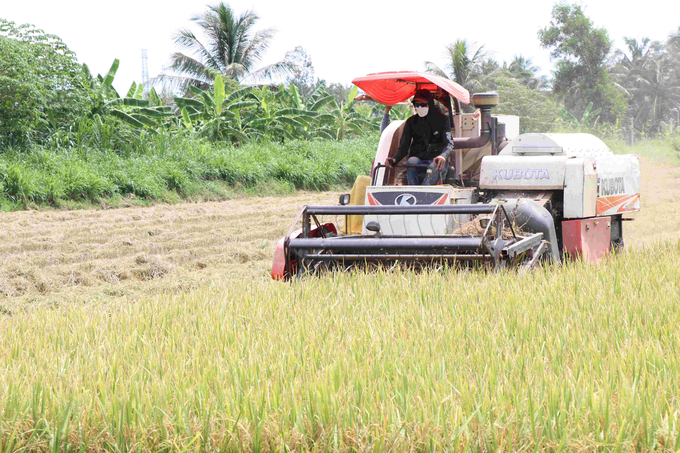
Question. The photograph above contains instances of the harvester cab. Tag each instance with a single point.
(508, 198)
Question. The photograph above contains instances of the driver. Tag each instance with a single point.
(426, 140)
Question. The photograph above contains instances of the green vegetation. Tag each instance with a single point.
(66, 135)
(582, 77)
(43, 89)
(399, 361)
(177, 165)
(667, 150)
(51, 103)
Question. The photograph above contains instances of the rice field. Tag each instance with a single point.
(158, 329)
(388, 361)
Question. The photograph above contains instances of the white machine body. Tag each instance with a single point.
(595, 181)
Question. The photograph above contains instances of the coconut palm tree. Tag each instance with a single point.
(523, 68)
(463, 64)
(646, 72)
(658, 88)
(231, 48)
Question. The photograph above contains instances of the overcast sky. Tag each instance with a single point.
(345, 39)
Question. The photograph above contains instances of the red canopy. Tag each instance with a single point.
(394, 87)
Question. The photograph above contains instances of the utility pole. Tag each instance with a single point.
(145, 72)
(632, 132)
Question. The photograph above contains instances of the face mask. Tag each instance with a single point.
(422, 111)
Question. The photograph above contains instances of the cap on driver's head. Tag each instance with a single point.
(422, 96)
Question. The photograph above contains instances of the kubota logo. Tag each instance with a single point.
(521, 173)
(405, 199)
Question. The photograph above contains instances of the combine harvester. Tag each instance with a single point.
(528, 197)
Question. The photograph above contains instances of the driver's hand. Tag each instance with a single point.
(439, 161)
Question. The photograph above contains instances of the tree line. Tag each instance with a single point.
(593, 87)
(214, 87)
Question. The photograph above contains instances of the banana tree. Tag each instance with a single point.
(282, 114)
(342, 121)
(584, 123)
(133, 109)
(217, 115)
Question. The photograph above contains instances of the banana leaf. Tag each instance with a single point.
(241, 105)
(305, 120)
(237, 94)
(207, 99)
(186, 102)
(290, 111)
(127, 118)
(210, 124)
(321, 102)
(324, 134)
(295, 93)
(238, 134)
(282, 93)
(144, 119)
(258, 122)
(306, 134)
(290, 121)
(155, 113)
(133, 102)
(112, 102)
(352, 95)
(154, 97)
(186, 118)
(139, 92)
(131, 90)
(219, 94)
(108, 79)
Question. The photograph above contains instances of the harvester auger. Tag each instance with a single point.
(508, 199)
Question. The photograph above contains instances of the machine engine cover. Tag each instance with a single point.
(522, 173)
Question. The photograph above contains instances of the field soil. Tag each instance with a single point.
(57, 257)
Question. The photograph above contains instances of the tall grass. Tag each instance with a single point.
(573, 358)
(177, 164)
(667, 150)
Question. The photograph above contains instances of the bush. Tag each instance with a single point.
(42, 86)
(41, 174)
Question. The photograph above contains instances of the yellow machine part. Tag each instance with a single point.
(356, 198)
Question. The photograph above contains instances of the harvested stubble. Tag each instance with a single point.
(475, 228)
(574, 358)
(60, 256)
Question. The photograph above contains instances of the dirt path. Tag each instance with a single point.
(55, 257)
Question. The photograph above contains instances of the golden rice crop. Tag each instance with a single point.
(572, 358)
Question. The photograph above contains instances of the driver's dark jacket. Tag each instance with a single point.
(426, 137)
